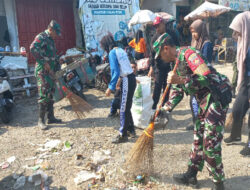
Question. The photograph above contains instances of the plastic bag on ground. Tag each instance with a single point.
(100, 157)
(83, 176)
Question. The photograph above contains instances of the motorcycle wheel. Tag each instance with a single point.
(5, 116)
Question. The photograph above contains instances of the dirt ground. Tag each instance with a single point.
(22, 139)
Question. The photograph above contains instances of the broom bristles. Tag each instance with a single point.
(140, 157)
(229, 121)
(79, 106)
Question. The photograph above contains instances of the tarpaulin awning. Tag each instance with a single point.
(142, 17)
(147, 17)
(206, 10)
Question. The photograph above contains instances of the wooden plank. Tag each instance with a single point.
(71, 66)
(23, 89)
(10, 53)
(22, 76)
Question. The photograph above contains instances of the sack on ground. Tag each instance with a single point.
(142, 102)
(142, 64)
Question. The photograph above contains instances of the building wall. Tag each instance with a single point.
(10, 9)
(2, 11)
(33, 17)
(168, 6)
(78, 25)
(158, 6)
(3, 24)
(181, 3)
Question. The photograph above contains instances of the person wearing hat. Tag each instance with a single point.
(44, 51)
(194, 77)
(158, 68)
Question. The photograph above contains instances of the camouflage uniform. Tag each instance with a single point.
(44, 50)
(209, 125)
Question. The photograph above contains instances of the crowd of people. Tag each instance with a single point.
(210, 92)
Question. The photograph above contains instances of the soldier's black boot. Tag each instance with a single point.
(218, 186)
(41, 121)
(50, 112)
(187, 178)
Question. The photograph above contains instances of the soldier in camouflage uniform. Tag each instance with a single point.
(44, 50)
(194, 78)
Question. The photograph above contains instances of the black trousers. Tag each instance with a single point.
(240, 108)
(161, 75)
(116, 102)
(139, 56)
(127, 92)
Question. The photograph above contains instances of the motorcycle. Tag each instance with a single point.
(6, 97)
(73, 82)
(103, 75)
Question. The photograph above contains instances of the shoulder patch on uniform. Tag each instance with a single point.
(196, 63)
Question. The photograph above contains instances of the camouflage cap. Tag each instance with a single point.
(55, 26)
(158, 43)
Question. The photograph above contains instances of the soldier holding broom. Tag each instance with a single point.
(44, 50)
(194, 77)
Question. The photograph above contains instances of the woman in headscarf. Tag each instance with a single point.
(139, 44)
(200, 39)
(201, 42)
(241, 32)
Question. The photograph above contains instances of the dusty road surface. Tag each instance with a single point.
(24, 140)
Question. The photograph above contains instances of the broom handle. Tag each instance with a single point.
(165, 93)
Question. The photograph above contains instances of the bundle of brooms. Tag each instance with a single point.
(229, 122)
(140, 157)
(79, 106)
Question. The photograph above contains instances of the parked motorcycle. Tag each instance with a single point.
(73, 82)
(6, 97)
(103, 76)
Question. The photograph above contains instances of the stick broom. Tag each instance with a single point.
(140, 157)
(79, 106)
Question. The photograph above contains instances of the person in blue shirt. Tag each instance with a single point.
(241, 32)
(201, 42)
(115, 103)
(120, 68)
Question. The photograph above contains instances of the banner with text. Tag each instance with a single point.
(100, 17)
(237, 5)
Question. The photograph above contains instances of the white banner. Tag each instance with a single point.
(100, 17)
